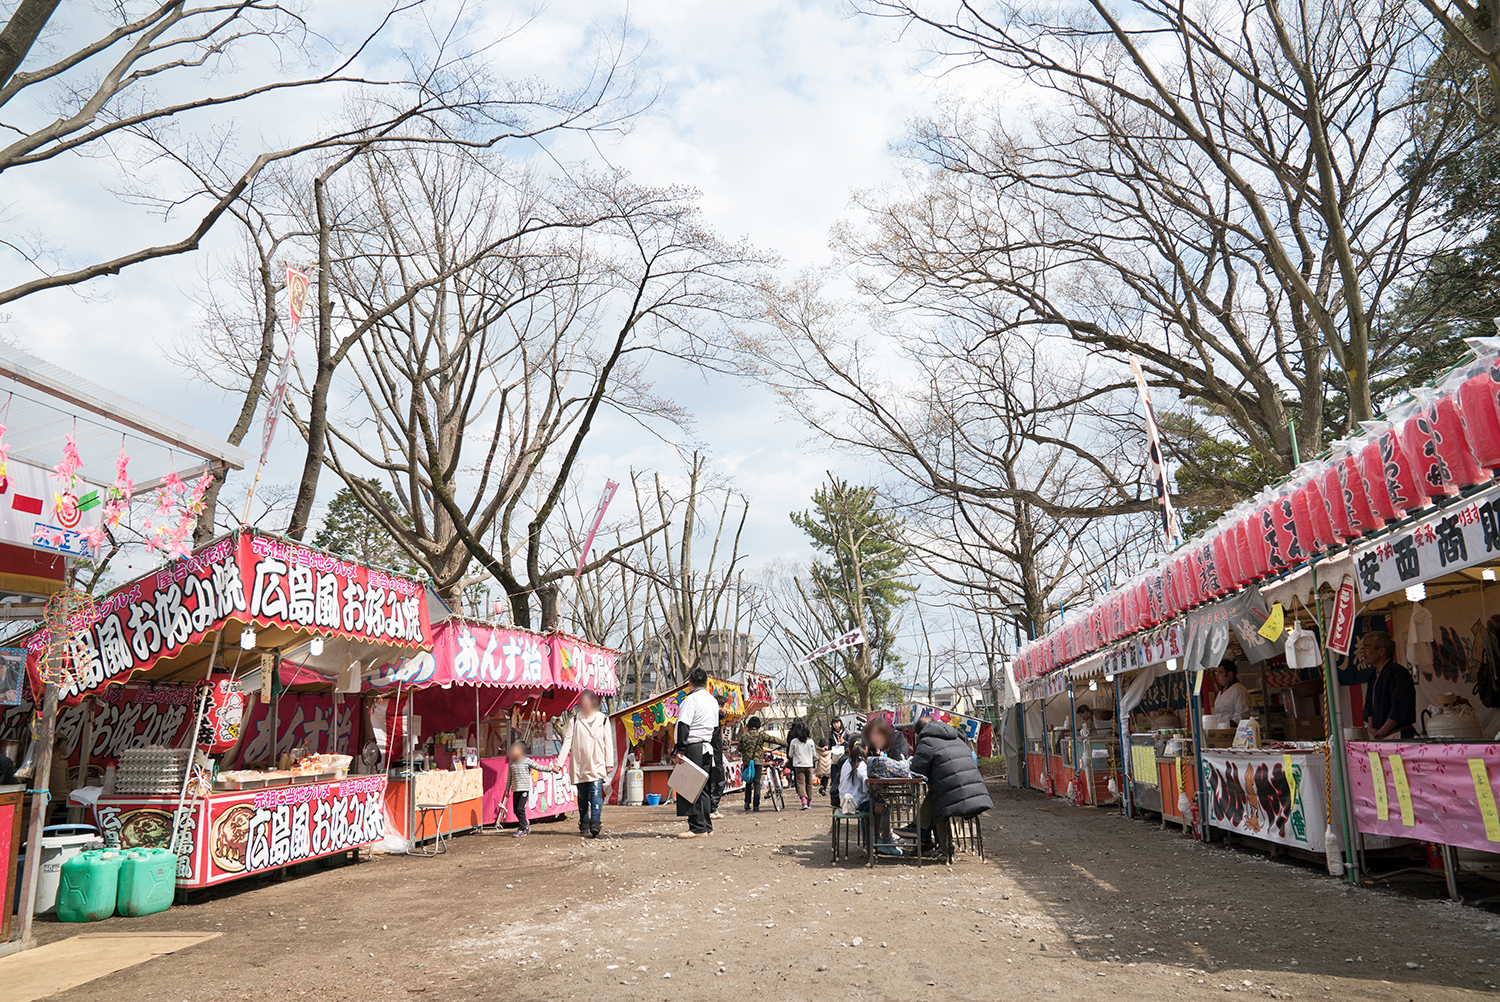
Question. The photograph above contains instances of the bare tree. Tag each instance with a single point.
(147, 85)
(696, 601)
(1003, 453)
(487, 317)
(1230, 193)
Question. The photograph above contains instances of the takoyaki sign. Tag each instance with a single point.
(246, 578)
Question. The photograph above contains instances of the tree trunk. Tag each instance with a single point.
(317, 417)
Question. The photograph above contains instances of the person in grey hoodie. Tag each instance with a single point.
(590, 739)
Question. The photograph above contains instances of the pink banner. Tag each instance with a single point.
(1437, 793)
(466, 653)
(550, 794)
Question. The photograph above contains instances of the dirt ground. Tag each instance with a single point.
(1074, 901)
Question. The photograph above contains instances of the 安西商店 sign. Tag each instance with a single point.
(1459, 536)
(246, 578)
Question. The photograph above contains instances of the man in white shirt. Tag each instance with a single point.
(1233, 700)
(697, 716)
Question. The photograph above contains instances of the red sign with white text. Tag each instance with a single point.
(1341, 630)
(244, 578)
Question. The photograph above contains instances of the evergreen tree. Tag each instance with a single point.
(862, 585)
(349, 529)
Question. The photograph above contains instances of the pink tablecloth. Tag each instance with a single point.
(1449, 790)
(549, 794)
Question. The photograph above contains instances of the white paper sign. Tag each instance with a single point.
(1458, 536)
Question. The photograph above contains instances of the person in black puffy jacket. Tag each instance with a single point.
(955, 787)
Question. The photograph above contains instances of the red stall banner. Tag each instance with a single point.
(244, 577)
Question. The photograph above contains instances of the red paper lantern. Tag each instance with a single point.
(1420, 440)
(1317, 509)
(1143, 601)
(1372, 469)
(1303, 521)
(1229, 573)
(1211, 577)
(1333, 501)
(1356, 502)
(1477, 407)
(1400, 481)
(1252, 552)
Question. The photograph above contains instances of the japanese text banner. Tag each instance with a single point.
(1436, 793)
(1459, 536)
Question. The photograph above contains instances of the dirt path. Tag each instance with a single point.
(1074, 901)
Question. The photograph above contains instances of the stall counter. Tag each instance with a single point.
(240, 833)
(460, 789)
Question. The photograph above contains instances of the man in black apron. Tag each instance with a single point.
(697, 716)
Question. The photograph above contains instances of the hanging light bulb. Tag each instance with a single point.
(1171, 664)
(1093, 685)
(316, 647)
(1109, 678)
(247, 639)
(1488, 573)
(1416, 593)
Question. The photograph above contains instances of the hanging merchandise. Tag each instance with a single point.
(65, 510)
(1332, 486)
(1476, 386)
(1451, 441)
(1400, 483)
(1352, 489)
(1419, 639)
(1372, 470)
(4, 460)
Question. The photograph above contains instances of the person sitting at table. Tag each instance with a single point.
(955, 787)
(879, 741)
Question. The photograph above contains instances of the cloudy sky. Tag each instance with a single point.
(776, 111)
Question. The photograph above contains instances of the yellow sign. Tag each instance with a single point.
(1377, 781)
(1198, 683)
(1143, 764)
(1484, 794)
(1403, 791)
(1291, 784)
(1275, 623)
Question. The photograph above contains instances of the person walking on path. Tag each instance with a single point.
(822, 766)
(803, 755)
(518, 783)
(718, 776)
(590, 740)
(752, 746)
(697, 716)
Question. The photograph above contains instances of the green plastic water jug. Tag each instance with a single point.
(148, 882)
(86, 890)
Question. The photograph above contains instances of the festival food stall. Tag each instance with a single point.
(449, 715)
(1397, 530)
(647, 730)
(213, 741)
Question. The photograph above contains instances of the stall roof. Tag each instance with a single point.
(41, 403)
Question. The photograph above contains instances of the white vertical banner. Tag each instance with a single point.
(1158, 459)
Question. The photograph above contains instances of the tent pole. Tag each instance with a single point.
(1337, 760)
